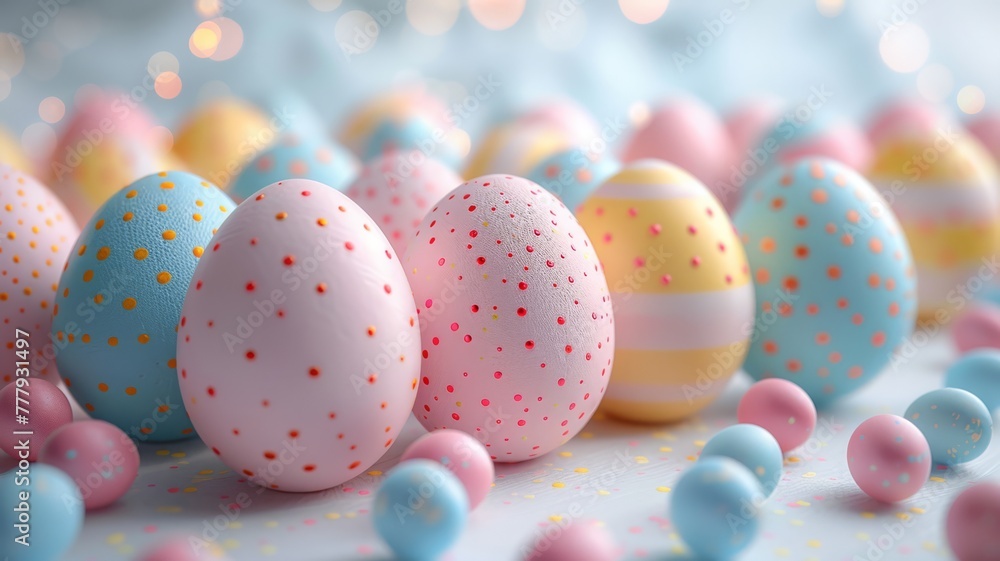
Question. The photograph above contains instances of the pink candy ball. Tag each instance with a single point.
(98, 456)
(462, 454)
(889, 458)
(580, 541)
(782, 408)
(180, 549)
(973, 523)
(977, 328)
(48, 409)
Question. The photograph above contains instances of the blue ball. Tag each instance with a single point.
(54, 513)
(420, 510)
(293, 157)
(753, 447)
(715, 507)
(416, 133)
(957, 425)
(977, 372)
(573, 174)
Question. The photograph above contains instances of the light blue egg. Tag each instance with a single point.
(957, 425)
(715, 506)
(53, 513)
(977, 372)
(297, 157)
(119, 302)
(420, 510)
(414, 133)
(753, 447)
(833, 278)
(573, 174)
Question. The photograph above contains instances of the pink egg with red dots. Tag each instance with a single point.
(398, 189)
(782, 408)
(42, 403)
(462, 454)
(515, 317)
(298, 347)
(98, 456)
(889, 458)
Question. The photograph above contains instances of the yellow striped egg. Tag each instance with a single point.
(680, 285)
(516, 148)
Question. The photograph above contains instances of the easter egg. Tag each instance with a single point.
(296, 157)
(680, 286)
(421, 529)
(715, 507)
(689, 134)
(462, 454)
(957, 425)
(821, 134)
(36, 236)
(904, 119)
(48, 409)
(943, 189)
(12, 154)
(577, 540)
(834, 279)
(748, 122)
(298, 348)
(978, 327)
(973, 523)
(889, 458)
(54, 510)
(567, 116)
(516, 148)
(98, 456)
(218, 139)
(181, 549)
(782, 408)
(573, 174)
(515, 318)
(986, 128)
(119, 302)
(751, 446)
(978, 373)
(397, 190)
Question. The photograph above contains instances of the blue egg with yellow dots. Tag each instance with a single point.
(297, 156)
(573, 174)
(751, 446)
(42, 513)
(957, 425)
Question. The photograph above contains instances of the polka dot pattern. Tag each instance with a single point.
(119, 302)
(294, 156)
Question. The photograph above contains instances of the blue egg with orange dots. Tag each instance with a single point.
(573, 174)
(957, 425)
(297, 156)
(977, 372)
(834, 278)
(118, 302)
(753, 447)
(47, 523)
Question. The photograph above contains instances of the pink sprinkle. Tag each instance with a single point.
(428, 303)
(656, 229)
(498, 374)
(485, 402)
(454, 327)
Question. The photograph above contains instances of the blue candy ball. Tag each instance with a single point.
(573, 174)
(297, 157)
(715, 507)
(977, 372)
(52, 513)
(753, 447)
(420, 510)
(415, 133)
(956, 423)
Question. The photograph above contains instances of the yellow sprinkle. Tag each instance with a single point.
(902, 516)
(566, 454)
(190, 489)
(178, 455)
(230, 544)
(868, 515)
(555, 518)
(802, 503)
(664, 435)
(641, 460)
(779, 511)
(937, 479)
(917, 510)
(558, 484)
(529, 496)
(814, 543)
(692, 458)
(797, 522)
(586, 434)
(206, 472)
(581, 470)
(929, 546)
(115, 539)
(333, 515)
(603, 492)
(274, 523)
(163, 452)
(268, 549)
(666, 449)
(351, 515)
(699, 443)
(374, 473)
(793, 459)
(782, 552)
(862, 536)
(809, 474)
(663, 489)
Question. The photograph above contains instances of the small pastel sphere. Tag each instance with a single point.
(49, 410)
(420, 510)
(715, 507)
(55, 515)
(781, 407)
(973, 523)
(182, 549)
(957, 425)
(573, 174)
(584, 540)
(751, 446)
(296, 156)
(977, 372)
(462, 454)
(977, 328)
(889, 458)
(101, 458)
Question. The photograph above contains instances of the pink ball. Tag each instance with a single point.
(889, 458)
(748, 123)
(781, 407)
(48, 409)
(986, 128)
(462, 454)
(180, 549)
(973, 523)
(977, 328)
(580, 541)
(98, 456)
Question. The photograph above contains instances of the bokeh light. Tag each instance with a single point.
(5, 85)
(497, 14)
(325, 5)
(643, 11)
(230, 39)
(638, 114)
(162, 62)
(205, 39)
(168, 85)
(356, 32)
(161, 137)
(830, 8)
(935, 82)
(208, 8)
(904, 48)
(51, 109)
(11, 54)
(432, 17)
(38, 139)
(971, 99)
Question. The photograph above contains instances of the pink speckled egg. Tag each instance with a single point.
(973, 523)
(36, 235)
(781, 407)
(183, 549)
(298, 347)
(462, 454)
(515, 318)
(906, 119)
(889, 458)
(986, 128)
(977, 328)
(582, 540)
(98, 456)
(46, 407)
(398, 189)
